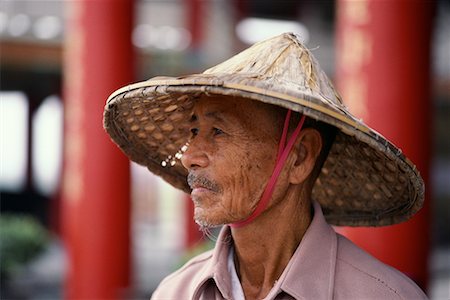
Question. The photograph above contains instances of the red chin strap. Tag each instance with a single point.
(283, 152)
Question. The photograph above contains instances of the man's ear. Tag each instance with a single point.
(305, 152)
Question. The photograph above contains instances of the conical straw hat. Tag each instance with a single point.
(365, 181)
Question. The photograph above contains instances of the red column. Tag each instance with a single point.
(195, 22)
(383, 72)
(96, 189)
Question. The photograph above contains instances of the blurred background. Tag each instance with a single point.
(79, 221)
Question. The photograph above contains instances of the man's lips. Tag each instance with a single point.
(199, 190)
(201, 184)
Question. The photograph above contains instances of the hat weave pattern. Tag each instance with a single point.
(365, 181)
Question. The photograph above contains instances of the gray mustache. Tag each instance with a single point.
(196, 180)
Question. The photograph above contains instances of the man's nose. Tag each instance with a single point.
(194, 156)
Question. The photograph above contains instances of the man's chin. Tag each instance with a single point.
(205, 224)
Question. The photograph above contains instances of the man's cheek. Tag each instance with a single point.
(239, 196)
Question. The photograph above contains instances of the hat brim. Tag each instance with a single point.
(365, 181)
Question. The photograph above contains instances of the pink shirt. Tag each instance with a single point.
(325, 265)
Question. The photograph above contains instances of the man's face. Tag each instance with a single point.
(231, 155)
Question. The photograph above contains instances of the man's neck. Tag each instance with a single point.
(264, 247)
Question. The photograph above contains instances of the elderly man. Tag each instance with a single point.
(265, 147)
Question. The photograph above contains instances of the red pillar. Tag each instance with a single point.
(383, 72)
(96, 189)
(195, 22)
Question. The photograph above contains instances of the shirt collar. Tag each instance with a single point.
(217, 267)
(310, 272)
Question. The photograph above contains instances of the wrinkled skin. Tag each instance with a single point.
(230, 158)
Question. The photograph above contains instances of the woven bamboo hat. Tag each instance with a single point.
(365, 181)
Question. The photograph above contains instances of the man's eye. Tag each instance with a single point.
(194, 131)
(217, 131)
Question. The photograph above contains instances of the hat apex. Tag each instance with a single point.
(283, 60)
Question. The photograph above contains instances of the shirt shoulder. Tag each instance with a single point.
(360, 275)
(182, 283)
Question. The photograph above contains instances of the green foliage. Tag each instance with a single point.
(21, 239)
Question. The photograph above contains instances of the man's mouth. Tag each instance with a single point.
(201, 184)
